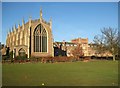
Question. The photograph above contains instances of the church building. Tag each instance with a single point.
(33, 38)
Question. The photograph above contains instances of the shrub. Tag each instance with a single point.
(4, 57)
(11, 55)
(78, 52)
(24, 57)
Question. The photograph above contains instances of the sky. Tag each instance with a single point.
(69, 19)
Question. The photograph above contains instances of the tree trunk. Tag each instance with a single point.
(113, 57)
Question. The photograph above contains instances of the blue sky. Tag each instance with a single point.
(70, 19)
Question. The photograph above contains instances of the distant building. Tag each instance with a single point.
(63, 48)
(2, 49)
(93, 52)
(84, 44)
(69, 46)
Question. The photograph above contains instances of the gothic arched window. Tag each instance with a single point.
(21, 52)
(40, 39)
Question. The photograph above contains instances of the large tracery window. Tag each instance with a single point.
(40, 39)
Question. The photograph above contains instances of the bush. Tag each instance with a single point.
(60, 59)
(78, 52)
(35, 59)
(8, 56)
(11, 55)
(24, 57)
(4, 57)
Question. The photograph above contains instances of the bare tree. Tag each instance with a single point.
(108, 40)
(99, 45)
(78, 52)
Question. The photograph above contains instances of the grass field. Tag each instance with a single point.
(92, 73)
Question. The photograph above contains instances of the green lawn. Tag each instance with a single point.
(92, 73)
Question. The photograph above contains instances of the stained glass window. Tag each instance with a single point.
(40, 39)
